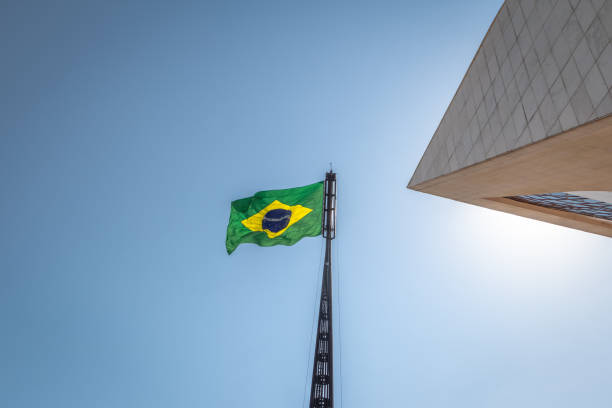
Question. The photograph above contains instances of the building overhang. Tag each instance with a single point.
(576, 160)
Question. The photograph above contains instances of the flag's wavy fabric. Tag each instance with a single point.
(276, 217)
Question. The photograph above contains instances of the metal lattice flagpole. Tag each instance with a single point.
(322, 389)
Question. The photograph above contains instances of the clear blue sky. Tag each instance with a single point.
(126, 131)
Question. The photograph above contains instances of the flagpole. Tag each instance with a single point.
(322, 388)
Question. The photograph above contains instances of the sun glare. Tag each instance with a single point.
(521, 254)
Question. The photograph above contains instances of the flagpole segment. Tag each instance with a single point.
(322, 388)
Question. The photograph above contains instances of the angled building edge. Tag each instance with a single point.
(529, 129)
(579, 159)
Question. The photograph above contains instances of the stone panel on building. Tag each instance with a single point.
(544, 67)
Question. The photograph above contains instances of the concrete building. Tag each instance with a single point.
(529, 131)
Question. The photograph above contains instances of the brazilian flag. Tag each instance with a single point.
(276, 217)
